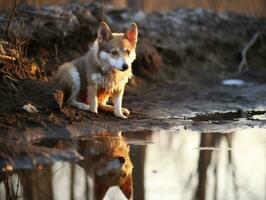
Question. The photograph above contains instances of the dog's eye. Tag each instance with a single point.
(127, 51)
(114, 52)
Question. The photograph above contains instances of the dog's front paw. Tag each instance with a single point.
(94, 110)
(120, 115)
(125, 111)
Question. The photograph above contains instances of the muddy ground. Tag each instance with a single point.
(182, 58)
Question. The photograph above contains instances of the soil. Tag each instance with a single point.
(182, 58)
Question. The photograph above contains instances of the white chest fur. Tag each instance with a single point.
(110, 82)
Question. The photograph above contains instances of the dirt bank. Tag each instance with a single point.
(182, 58)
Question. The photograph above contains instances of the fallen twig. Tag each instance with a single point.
(244, 62)
(216, 61)
(14, 87)
(4, 57)
(10, 78)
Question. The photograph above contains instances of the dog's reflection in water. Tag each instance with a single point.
(107, 161)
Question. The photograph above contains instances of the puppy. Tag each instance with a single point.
(101, 73)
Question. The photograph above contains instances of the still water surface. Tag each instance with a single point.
(167, 165)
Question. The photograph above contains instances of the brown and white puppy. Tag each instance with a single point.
(101, 73)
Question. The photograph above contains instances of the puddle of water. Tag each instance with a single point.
(187, 166)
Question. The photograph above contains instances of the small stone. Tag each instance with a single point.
(30, 108)
(8, 168)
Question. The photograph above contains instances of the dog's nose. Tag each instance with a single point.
(124, 67)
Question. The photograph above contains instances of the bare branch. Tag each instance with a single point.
(4, 57)
(244, 62)
(11, 17)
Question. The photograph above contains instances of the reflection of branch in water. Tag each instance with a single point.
(232, 166)
(217, 157)
(207, 140)
(138, 155)
(189, 181)
(138, 174)
(88, 189)
(17, 189)
(265, 169)
(36, 186)
(205, 157)
(216, 175)
(72, 180)
(8, 187)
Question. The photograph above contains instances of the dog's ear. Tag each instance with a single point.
(104, 33)
(127, 187)
(132, 33)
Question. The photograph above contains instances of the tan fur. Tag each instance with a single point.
(100, 151)
(100, 74)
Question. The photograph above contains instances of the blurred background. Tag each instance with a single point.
(248, 7)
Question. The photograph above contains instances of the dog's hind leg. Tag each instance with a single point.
(79, 105)
(75, 87)
(72, 101)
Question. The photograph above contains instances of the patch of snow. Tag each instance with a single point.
(233, 82)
